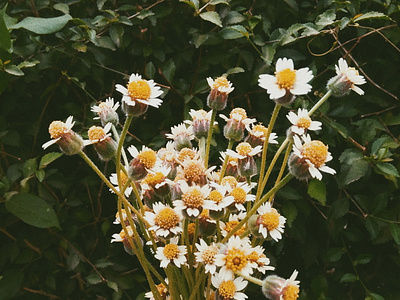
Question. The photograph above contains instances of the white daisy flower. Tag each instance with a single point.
(124, 179)
(244, 150)
(171, 253)
(206, 254)
(257, 134)
(232, 222)
(164, 221)
(120, 237)
(241, 194)
(140, 90)
(230, 289)
(162, 290)
(98, 134)
(221, 84)
(270, 222)
(315, 154)
(286, 80)
(262, 262)
(106, 111)
(302, 122)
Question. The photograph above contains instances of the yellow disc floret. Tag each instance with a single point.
(96, 133)
(290, 292)
(316, 152)
(244, 148)
(57, 129)
(286, 78)
(208, 255)
(186, 153)
(216, 196)
(221, 82)
(235, 260)
(259, 130)
(171, 251)
(227, 289)
(270, 220)
(304, 122)
(239, 195)
(139, 89)
(152, 179)
(148, 158)
(167, 218)
(193, 198)
(230, 181)
(231, 225)
(238, 111)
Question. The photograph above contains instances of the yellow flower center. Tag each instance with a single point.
(56, 129)
(304, 122)
(244, 148)
(270, 220)
(191, 229)
(122, 234)
(229, 180)
(286, 78)
(96, 133)
(239, 195)
(290, 292)
(103, 105)
(227, 290)
(166, 218)
(235, 260)
(154, 179)
(139, 89)
(316, 152)
(193, 198)
(186, 153)
(162, 290)
(239, 111)
(212, 296)
(123, 178)
(260, 129)
(254, 257)
(221, 82)
(216, 196)
(232, 224)
(208, 255)
(171, 251)
(148, 158)
(193, 171)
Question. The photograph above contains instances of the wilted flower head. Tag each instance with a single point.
(106, 111)
(287, 82)
(347, 78)
(138, 95)
(220, 88)
(200, 123)
(309, 158)
(62, 134)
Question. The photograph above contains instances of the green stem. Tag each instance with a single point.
(117, 138)
(230, 146)
(250, 213)
(320, 102)
(202, 147)
(250, 278)
(196, 290)
(265, 147)
(209, 137)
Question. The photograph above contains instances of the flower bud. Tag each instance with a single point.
(234, 130)
(247, 167)
(298, 167)
(272, 287)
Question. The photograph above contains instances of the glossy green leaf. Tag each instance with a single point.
(348, 277)
(5, 40)
(32, 210)
(211, 16)
(395, 231)
(49, 158)
(233, 32)
(327, 18)
(43, 25)
(372, 15)
(317, 190)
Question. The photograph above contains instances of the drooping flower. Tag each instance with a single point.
(347, 78)
(309, 158)
(287, 82)
(220, 88)
(139, 94)
(229, 289)
(106, 111)
(171, 253)
(302, 122)
(206, 254)
(62, 134)
(270, 222)
(164, 221)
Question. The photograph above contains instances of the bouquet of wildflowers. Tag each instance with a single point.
(199, 229)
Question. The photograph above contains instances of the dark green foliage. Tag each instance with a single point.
(57, 58)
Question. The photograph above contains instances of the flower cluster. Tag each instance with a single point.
(207, 226)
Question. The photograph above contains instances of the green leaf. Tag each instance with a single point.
(211, 16)
(49, 158)
(13, 70)
(192, 3)
(388, 169)
(40, 174)
(339, 208)
(268, 53)
(335, 254)
(32, 210)
(290, 212)
(234, 70)
(144, 13)
(93, 279)
(43, 25)
(317, 190)
(10, 283)
(29, 167)
(374, 296)
(363, 258)
(372, 15)
(395, 231)
(234, 32)
(28, 63)
(116, 33)
(327, 18)
(5, 40)
(348, 277)
(215, 2)
(372, 227)
(64, 8)
(150, 70)
(169, 70)
(112, 285)
(353, 167)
